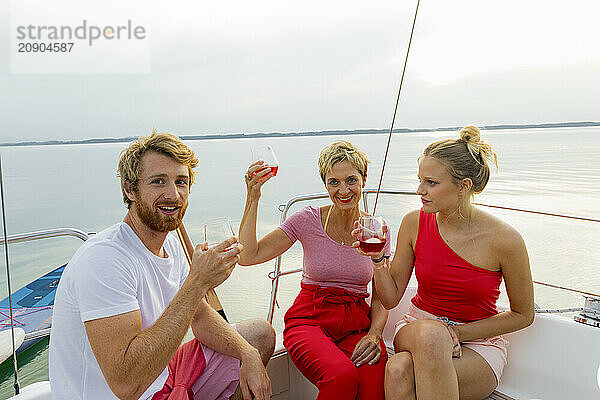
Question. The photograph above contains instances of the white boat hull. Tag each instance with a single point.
(6, 344)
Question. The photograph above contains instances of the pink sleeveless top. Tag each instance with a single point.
(449, 286)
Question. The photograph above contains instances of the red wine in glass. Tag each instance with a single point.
(273, 169)
(372, 245)
(266, 155)
(371, 237)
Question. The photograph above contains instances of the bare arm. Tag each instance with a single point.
(391, 282)
(368, 349)
(272, 245)
(379, 315)
(213, 331)
(517, 276)
(131, 358)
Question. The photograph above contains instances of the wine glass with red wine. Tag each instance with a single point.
(267, 155)
(371, 235)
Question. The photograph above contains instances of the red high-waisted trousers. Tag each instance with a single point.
(322, 328)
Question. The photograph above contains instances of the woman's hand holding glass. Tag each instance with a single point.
(371, 235)
(256, 176)
(267, 155)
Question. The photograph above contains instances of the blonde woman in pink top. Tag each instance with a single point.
(332, 335)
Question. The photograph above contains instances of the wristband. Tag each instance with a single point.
(377, 261)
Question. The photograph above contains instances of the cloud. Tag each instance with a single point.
(275, 66)
(520, 95)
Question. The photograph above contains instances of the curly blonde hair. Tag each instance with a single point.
(130, 163)
(465, 157)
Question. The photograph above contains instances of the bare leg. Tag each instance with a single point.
(400, 377)
(476, 379)
(430, 346)
(261, 335)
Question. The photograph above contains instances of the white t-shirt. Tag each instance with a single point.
(112, 273)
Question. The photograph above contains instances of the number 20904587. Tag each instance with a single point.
(45, 47)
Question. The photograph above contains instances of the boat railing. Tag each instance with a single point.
(45, 234)
(284, 208)
(37, 235)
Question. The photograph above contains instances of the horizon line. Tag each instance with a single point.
(303, 133)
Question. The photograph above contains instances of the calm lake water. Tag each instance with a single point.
(550, 170)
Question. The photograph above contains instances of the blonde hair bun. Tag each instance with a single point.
(465, 157)
(470, 134)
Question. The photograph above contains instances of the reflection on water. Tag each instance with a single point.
(555, 170)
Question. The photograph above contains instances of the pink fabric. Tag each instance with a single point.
(220, 379)
(450, 286)
(327, 263)
(493, 350)
(184, 369)
(198, 372)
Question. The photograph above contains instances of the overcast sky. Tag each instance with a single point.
(283, 66)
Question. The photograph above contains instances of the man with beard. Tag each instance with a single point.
(128, 296)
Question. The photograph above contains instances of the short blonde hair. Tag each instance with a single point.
(465, 157)
(130, 163)
(342, 150)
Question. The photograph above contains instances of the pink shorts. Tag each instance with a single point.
(219, 379)
(493, 350)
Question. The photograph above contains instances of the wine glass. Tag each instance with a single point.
(371, 235)
(217, 230)
(266, 154)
